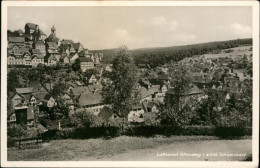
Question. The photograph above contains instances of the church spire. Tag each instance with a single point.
(53, 30)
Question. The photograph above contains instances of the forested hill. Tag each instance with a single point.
(162, 55)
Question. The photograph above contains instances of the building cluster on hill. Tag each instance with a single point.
(83, 91)
(32, 48)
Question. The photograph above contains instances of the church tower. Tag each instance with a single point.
(53, 30)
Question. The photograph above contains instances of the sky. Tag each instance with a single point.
(136, 27)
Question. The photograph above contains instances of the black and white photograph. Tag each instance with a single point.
(109, 82)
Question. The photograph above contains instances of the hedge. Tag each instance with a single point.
(232, 132)
(146, 131)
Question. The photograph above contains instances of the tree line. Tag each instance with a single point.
(161, 55)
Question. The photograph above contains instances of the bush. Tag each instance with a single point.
(148, 131)
(10, 141)
(50, 135)
(81, 133)
(232, 132)
(95, 132)
(198, 130)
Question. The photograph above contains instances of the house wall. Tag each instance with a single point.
(37, 61)
(51, 102)
(86, 65)
(137, 112)
(95, 108)
(66, 60)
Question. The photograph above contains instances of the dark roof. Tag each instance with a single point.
(36, 51)
(20, 51)
(47, 97)
(16, 40)
(72, 55)
(20, 31)
(65, 42)
(76, 46)
(52, 45)
(78, 90)
(40, 42)
(192, 91)
(24, 90)
(53, 28)
(150, 104)
(90, 99)
(39, 96)
(31, 25)
(153, 89)
(41, 32)
(85, 59)
(49, 56)
(48, 86)
(143, 92)
(52, 38)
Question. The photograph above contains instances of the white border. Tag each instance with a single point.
(255, 151)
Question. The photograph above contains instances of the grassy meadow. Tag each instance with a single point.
(132, 148)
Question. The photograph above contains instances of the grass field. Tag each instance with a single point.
(130, 148)
(237, 51)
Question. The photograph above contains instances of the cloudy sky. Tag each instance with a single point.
(137, 27)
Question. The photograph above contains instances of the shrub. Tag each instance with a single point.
(232, 132)
(95, 132)
(83, 118)
(16, 131)
(198, 130)
(50, 135)
(10, 141)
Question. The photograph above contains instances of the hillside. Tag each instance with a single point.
(160, 55)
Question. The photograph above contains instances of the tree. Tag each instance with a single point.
(57, 89)
(178, 109)
(76, 65)
(12, 80)
(118, 92)
(210, 108)
(238, 111)
(84, 118)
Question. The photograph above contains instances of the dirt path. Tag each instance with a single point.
(209, 150)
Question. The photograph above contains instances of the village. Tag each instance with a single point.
(68, 75)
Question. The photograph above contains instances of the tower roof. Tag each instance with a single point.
(53, 28)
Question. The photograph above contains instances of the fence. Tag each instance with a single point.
(26, 141)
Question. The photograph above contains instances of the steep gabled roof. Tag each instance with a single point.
(41, 32)
(85, 59)
(52, 38)
(16, 40)
(52, 45)
(90, 99)
(47, 97)
(36, 51)
(153, 89)
(20, 51)
(78, 90)
(24, 90)
(72, 55)
(150, 104)
(143, 92)
(39, 42)
(31, 25)
(39, 96)
(65, 42)
(49, 56)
